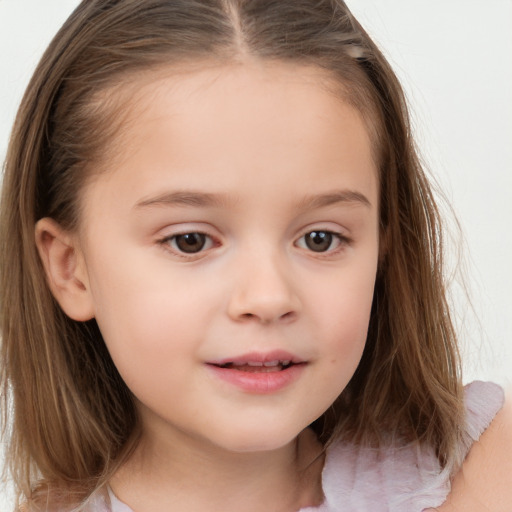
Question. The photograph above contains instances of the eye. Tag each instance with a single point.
(189, 243)
(321, 241)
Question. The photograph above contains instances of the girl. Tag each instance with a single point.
(222, 287)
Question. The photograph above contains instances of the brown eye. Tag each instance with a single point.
(189, 243)
(318, 241)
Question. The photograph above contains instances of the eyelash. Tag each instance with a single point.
(342, 241)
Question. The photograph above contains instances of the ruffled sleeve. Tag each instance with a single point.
(483, 400)
(402, 479)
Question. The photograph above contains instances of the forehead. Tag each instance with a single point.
(215, 86)
(222, 125)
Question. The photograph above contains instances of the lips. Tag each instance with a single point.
(259, 373)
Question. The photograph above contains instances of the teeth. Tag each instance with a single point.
(259, 364)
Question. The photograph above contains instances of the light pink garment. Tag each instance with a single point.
(392, 479)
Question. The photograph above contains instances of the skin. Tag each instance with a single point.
(283, 157)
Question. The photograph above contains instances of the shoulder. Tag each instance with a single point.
(484, 483)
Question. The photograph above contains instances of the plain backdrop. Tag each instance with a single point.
(453, 57)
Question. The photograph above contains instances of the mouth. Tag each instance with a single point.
(258, 373)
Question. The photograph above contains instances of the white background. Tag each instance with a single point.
(453, 57)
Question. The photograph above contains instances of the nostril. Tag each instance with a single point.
(289, 317)
(266, 319)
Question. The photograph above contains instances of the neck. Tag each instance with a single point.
(186, 476)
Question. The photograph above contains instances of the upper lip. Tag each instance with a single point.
(259, 359)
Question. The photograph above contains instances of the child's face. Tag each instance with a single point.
(273, 180)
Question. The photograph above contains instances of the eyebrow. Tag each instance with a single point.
(340, 196)
(184, 198)
(205, 199)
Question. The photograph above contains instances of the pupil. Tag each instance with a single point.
(319, 241)
(190, 242)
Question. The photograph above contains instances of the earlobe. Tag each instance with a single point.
(65, 269)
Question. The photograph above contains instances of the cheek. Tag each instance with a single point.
(344, 314)
(152, 344)
(145, 316)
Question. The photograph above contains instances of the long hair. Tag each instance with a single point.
(71, 418)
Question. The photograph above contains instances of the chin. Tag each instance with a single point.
(258, 439)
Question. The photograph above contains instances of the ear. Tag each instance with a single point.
(65, 269)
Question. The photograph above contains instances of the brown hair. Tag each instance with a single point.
(71, 417)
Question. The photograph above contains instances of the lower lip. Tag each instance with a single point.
(259, 382)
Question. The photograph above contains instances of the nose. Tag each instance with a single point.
(264, 292)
